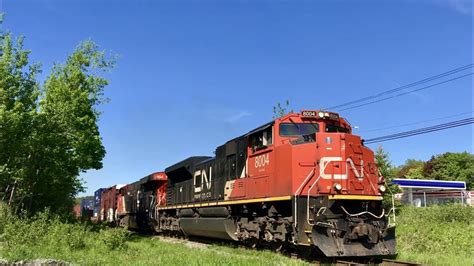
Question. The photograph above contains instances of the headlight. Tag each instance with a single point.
(337, 187)
(321, 114)
(382, 188)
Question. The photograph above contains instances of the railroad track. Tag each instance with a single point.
(199, 242)
(396, 262)
(383, 262)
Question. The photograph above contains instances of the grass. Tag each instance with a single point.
(45, 237)
(440, 235)
(141, 250)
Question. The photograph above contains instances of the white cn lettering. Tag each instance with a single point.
(324, 162)
(196, 174)
(205, 180)
(354, 169)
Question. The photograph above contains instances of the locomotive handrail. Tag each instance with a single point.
(393, 202)
(388, 216)
(298, 192)
(391, 209)
(321, 171)
(352, 166)
(364, 212)
(309, 190)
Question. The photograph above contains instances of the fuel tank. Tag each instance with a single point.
(220, 228)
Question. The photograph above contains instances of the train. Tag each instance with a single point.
(302, 181)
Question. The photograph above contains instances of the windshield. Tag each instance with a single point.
(297, 129)
(333, 128)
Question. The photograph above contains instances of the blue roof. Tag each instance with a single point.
(437, 184)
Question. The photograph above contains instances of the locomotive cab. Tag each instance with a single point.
(336, 186)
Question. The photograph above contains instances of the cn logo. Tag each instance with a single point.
(201, 180)
(324, 161)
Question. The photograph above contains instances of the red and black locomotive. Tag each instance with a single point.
(301, 181)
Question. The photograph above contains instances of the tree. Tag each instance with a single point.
(388, 172)
(412, 169)
(280, 110)
(451, 166)
(19, 92)
(383, 163)
(68, 142)
(49, 134)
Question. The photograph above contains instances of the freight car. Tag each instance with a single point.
(301, 181)
(84, 209)
(96, 204)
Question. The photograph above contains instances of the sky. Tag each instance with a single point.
(193, 74)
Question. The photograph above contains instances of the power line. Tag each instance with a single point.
(413, 84)
(456, 70)
(426, 129)
(404, 93)
(420, 131)
(414, 123)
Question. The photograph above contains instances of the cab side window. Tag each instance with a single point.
(262, 139)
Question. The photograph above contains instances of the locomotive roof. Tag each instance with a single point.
(148, 178)
(267, 125)
(207, 160)
(187, 163)
(262, 127)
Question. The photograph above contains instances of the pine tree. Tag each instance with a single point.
(388, 172)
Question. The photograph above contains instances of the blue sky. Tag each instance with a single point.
(194, 74)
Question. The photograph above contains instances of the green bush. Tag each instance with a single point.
(5, 216)
(50, 236)
(114, 238)
(72, 236)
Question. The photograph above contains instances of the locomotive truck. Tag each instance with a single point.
(302, 181)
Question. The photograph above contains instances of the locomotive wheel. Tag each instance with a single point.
(276, 245)
(305, 251)
(253, 242)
